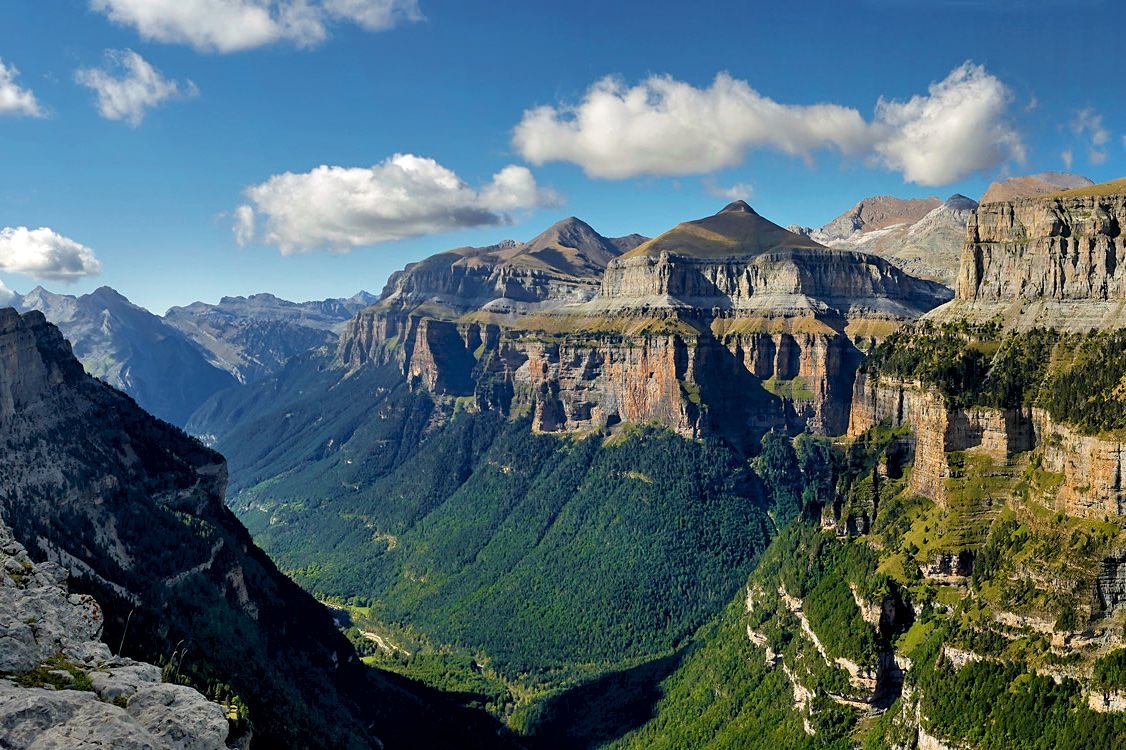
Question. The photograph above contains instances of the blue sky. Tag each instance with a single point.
(203, 116)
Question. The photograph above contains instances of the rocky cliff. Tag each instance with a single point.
(730, 324)
(1051, 261)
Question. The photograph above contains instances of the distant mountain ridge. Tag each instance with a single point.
(1030, 186)
(171, 365)
(131, 349)
(563, 264)
(922, 236)
(250, 337)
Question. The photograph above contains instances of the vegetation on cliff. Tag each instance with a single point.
(1076, 377)
(983, 668)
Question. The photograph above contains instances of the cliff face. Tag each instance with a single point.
(729, 325)
(1050, 261)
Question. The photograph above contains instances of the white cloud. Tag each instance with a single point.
(374, 15)
(130, 86)
(404, 196)
(1068, 157)
(14, 99)
(45, 254)
(959, 128)
(233, 25)
(667, 127)
(739, 191)
(6, 294)
(1088, 124)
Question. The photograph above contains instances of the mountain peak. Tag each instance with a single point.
(737, 230)
(569, 232)
(738, 207)
(959, 202)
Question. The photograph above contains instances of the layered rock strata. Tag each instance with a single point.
(729, 324)
(1054, 261)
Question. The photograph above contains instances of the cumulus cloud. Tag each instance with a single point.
(6, 294)
(233, 25)
(129, 86)
(14, 99)
(667, 127)
(959, 128)
(45, 254)
(404, 196)
(1087, 125)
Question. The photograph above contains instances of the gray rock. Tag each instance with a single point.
(123, 682)
(39, 620)
(179, 717)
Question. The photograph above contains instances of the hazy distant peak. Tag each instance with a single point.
(1030, 186)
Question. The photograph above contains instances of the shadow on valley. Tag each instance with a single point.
(604, 709)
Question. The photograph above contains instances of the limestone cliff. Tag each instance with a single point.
(1051, 261)
(729, 324)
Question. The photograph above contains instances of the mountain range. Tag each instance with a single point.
(732, 486)
(171, 365)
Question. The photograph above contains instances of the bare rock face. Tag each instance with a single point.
(1050, 261)
(1091, 467)
(561, 265)
(728, 324)
(44, 630)
(873, 214)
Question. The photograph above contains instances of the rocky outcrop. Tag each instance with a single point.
(938, 428)
(1091, 467)
(1110, 701)
(61, 687)
(1055, 261)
